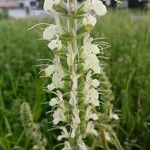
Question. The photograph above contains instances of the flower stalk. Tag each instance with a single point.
(80, 91)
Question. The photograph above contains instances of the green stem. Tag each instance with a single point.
(73, 30)
(102, 136)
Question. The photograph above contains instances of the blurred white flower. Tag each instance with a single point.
(53, 102)
(51, 87)
(89, 21)
(89, 47)
(91, 94)
(89, 55)
(81, 144)
(55, 44)
(57, 100)
(48, 4)
(90, 128)
(89, 114)
(67, 146)
(58, 74)
(95, 83)
(90, 82)
(64, 134)
(49, 70)
(114, 116)
(50, 32)
(58, 116)
(107, 136)
(96, 5)
(91, 97)
(92, 62)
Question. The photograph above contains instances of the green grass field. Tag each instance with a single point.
(128, 70)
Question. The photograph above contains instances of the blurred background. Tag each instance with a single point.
(126, 26)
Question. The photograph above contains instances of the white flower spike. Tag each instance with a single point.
(76, 79)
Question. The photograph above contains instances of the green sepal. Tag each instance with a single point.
(65, 37)
(80, 69)
(63, 59)
(79, 13)
(61, 8)
(67, 78)
(81, 82)
(67, 87)
(82, 30)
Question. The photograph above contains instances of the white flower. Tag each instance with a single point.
(89, 55)
(64, 134)
(73, 100)
(97, 6)
(56, 82)
(91, 94)
(56, 78)
(51, 87)
(67, 146)
(90, 128)
(55, 44)
(89, 21)
(58, 100)
(92, 62)
(114, 116)
(53, 102)
(58, 116)
(90, 82)
(91, 97)
(50, 32)
(89, 47)
(49, 70)
(89, 115)
(48, 4)
(81, 144)
(107, 136)
(95, 83)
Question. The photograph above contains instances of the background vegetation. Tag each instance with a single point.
(128, 69)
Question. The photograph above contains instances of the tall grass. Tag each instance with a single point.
(128, 69)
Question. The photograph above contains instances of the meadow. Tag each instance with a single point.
(128, 68)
